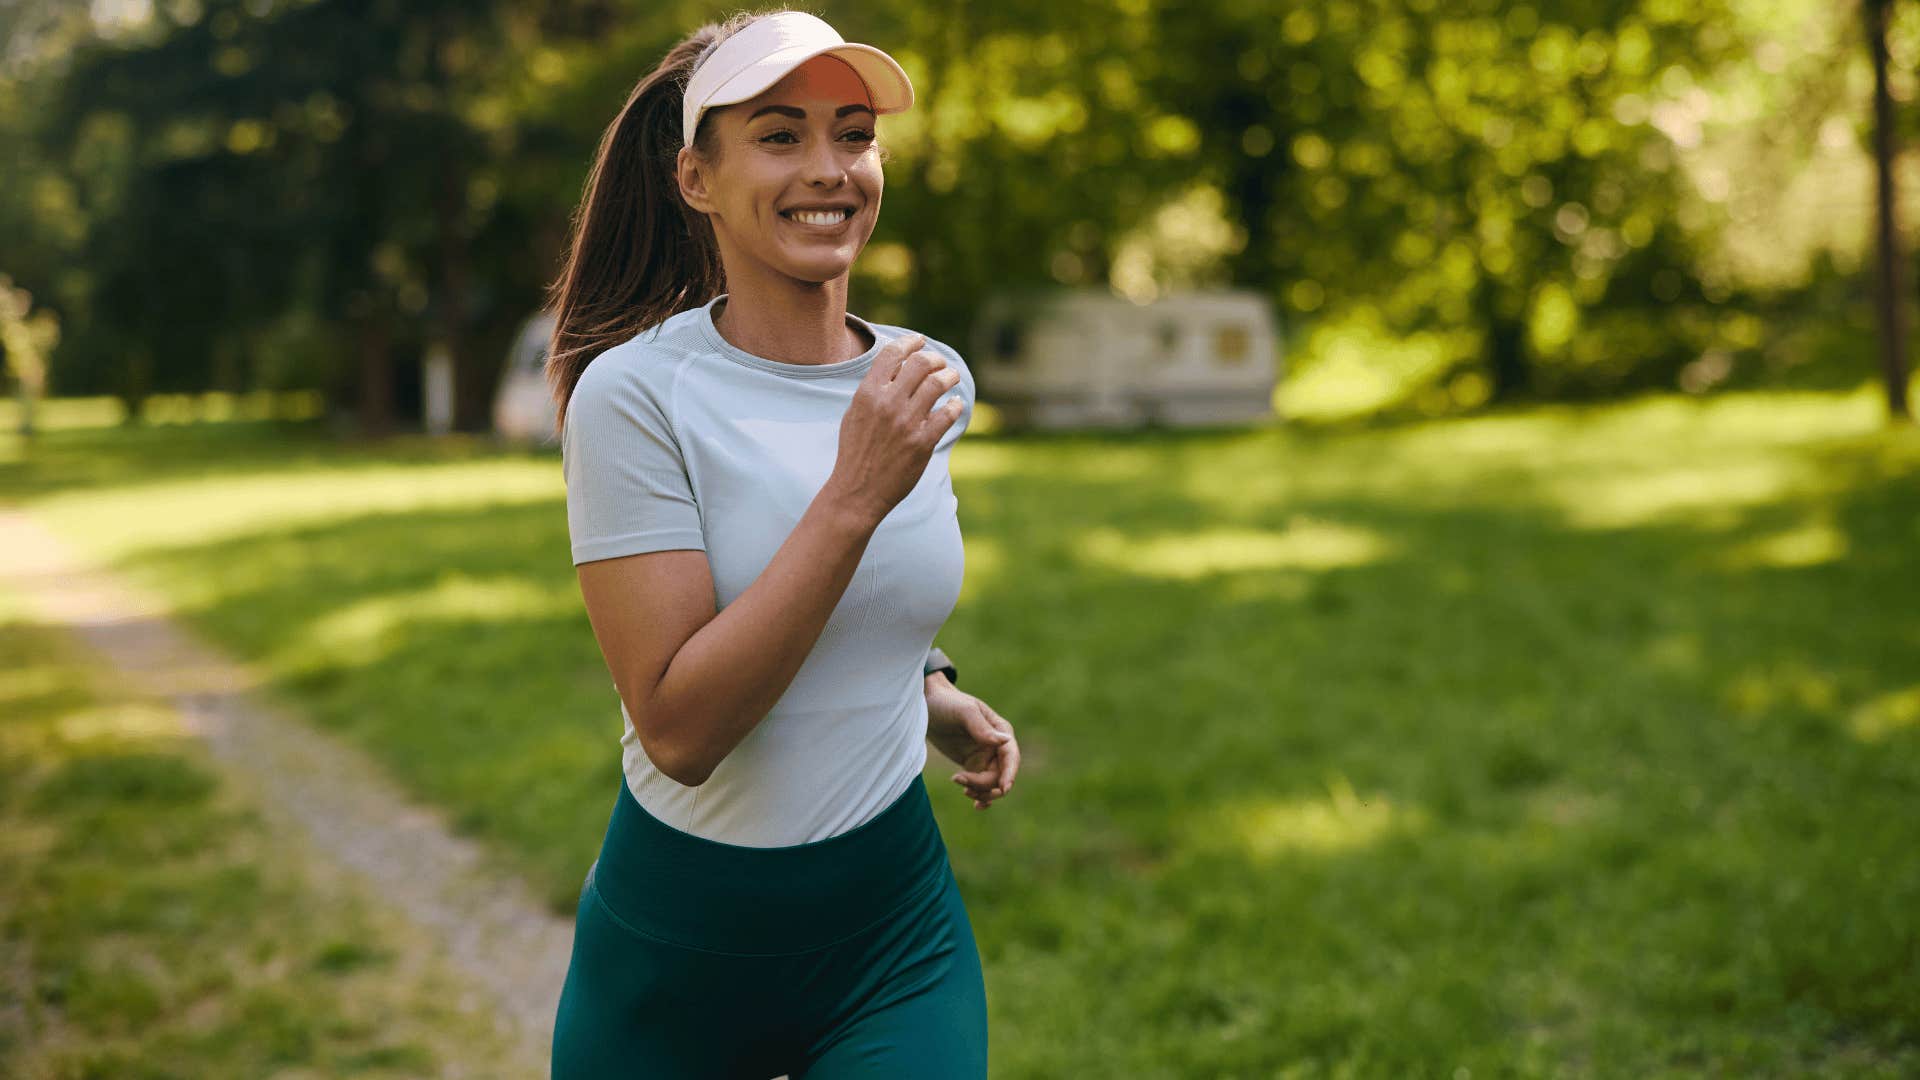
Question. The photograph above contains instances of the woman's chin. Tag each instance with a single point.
(819, 270)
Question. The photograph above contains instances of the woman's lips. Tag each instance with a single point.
(838, 226)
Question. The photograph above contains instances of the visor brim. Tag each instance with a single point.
(887, 83)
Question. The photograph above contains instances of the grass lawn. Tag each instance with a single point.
(1556, 741)
(150, 926)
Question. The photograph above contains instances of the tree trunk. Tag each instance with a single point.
(1508, 365)
(136, 384)
(1889, 294)
(473, 382)
(1254, 185)
(229, 358)
(376, 378)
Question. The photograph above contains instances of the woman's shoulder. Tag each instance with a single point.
(643, 362)
(632, 379)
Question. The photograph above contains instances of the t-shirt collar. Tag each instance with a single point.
(856, 366)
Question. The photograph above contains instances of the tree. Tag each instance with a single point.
(1889, 293)
(27, 337)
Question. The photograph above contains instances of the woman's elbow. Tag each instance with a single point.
(676, 762)
(690, 775)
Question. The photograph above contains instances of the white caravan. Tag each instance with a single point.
(1068, 359)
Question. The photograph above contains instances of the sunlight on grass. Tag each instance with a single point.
(23, 684)
(116, 722)
(361, 632)
(1353, 367)
(196, 408)
(1342, 821)
(986, 564)
(70, 413)
(983, 460)
(1650, 427)
(1887, 715)
(1654, 431)
(1625, 499)
(1706, 462)
(120, 522)
(986, 420)
(1655, 461)
(1809, 543)
(1790, 685)
(64, 414)
(1306, 544)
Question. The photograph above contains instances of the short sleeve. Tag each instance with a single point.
(964, 390)
(627, 485)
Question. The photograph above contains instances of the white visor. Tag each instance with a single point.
(750, 61)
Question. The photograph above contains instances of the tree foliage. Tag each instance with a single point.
(240, 193)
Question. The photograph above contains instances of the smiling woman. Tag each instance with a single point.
(764, 528)
(793, 190)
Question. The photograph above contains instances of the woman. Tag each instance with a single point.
(764, 528)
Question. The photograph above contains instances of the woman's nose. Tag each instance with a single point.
(823, 166)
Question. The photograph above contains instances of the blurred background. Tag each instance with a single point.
(1446, 204)
(1522, 677)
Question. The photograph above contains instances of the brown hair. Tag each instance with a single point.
(638, 253)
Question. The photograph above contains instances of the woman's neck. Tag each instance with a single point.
(790, 321)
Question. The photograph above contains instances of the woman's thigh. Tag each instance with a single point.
(915, 1000)
(635, 1007)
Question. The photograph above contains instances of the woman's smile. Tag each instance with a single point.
(820, 222)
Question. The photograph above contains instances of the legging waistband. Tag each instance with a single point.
(688, 890)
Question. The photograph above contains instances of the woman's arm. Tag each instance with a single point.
(969, 733)
(695, 680)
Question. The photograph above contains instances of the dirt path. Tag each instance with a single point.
(313, 788)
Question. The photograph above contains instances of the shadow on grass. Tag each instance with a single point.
(79, 459)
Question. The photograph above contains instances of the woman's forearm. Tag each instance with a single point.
(726, 677)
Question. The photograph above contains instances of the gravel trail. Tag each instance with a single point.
(314, 788)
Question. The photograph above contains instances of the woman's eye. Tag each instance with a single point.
(785, 136)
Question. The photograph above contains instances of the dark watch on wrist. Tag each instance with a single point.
(937, 661)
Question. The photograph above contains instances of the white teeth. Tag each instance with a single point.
(820, 217)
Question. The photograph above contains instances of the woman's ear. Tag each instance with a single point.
(692, 180)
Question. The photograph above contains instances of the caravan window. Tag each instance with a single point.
(1231, 343)
(1169, 336)
(1007, 340)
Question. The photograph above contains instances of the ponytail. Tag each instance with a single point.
(638, 254)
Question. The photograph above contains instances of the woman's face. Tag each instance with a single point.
(803, 148)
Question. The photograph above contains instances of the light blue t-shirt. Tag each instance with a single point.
(677, 439)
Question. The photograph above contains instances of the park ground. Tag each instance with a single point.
(1550, 741)
(152, 927)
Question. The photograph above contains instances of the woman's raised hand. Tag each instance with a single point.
(890, 428)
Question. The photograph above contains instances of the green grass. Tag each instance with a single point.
(1557, 741)
(151, 928)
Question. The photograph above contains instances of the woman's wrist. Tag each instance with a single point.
(845, 506)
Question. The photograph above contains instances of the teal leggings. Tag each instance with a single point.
(842, 958)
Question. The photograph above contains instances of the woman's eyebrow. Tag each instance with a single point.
(801, 114)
